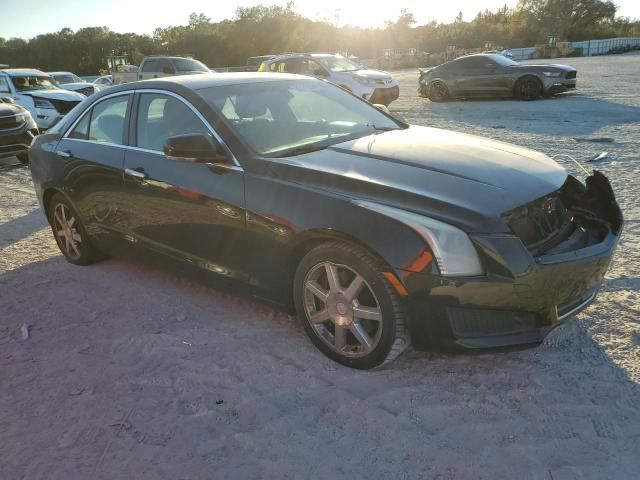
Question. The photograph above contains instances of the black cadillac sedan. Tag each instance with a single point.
(493, 75)
(296, 192)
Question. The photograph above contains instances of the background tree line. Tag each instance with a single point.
(263, 30)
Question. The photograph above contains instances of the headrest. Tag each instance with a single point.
(250, 106)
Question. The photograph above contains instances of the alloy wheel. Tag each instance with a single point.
(66, 231)
(342, 309)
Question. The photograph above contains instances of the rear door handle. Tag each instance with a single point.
(136, 173)
(64, 153)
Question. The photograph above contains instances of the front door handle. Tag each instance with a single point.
(64, 153)
(136, 173)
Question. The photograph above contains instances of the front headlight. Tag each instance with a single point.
(42, 103)
(551, 74)
(451, 247)
(364, 81)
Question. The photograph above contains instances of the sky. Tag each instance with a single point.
(28, 19)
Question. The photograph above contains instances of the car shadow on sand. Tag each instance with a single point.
(18, 228)
(197, 367)
(567, 115)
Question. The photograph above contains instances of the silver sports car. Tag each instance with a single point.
(491, 75)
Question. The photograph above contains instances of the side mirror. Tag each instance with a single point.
(193, 147)
(168, 70)
(320, 72)
(382, 108)
(7, 100)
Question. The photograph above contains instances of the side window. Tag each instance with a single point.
(105, 122)
(4, 85)
(166, 67)
(160, 117)
(81, 130)
(150, 66)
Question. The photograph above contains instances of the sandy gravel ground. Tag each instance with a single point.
(131, 373)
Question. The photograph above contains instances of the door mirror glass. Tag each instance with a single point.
(193, 147)
(320, 72)
(7, 100)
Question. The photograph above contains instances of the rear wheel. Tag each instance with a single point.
(348, 308)
(438, 92)
(70, 235)
(528, 88)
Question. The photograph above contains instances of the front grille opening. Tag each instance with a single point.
(566, 220)
(570, 74)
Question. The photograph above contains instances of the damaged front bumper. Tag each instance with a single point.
(528, 288)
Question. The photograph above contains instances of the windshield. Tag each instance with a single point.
(503, 61)
(189, 65)
(338, 64)
(25, 83)
(290, 117)
(67, 78)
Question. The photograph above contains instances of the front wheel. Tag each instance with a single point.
(528, 88)
(438, 92)
(347, 306)
(70, 235)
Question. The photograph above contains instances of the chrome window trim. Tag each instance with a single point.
(198, 114)
(159, 92)
(87, 110)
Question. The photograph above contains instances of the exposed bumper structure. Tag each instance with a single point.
(524, 294)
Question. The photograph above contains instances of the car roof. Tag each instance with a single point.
(61, 73)
(24, 72)
(207, 80)
(295, 55)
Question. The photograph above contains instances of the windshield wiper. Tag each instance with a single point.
(300, 150)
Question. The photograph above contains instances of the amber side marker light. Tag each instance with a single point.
(395, 283)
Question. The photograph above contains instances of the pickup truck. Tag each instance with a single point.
(157, 67)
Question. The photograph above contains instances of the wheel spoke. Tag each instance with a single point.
(340, 337)
(317, 290)
(319, 316)
(76, 237)
(332, 277)
(354, 289)
(367, 313)
(75, 248)
(58, 219)
(67, 242)
(63, 214)
(361, 335)
(60, 233)
(72, 220)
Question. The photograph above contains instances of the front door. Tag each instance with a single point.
(193, 212)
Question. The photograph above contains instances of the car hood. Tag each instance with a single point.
(539, 68)
(76, 85)
(372, 74)
(57, 94)
(462, 179)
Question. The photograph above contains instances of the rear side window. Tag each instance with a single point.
(4, 85)
(105, 123)
(160, 117)
(150, 66)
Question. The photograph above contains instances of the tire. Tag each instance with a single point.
(23, 158)
(70, 234)
(528, 88)
(438, 92)
(371, 319)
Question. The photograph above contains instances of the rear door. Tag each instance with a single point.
(192, 212)
(94, 151)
